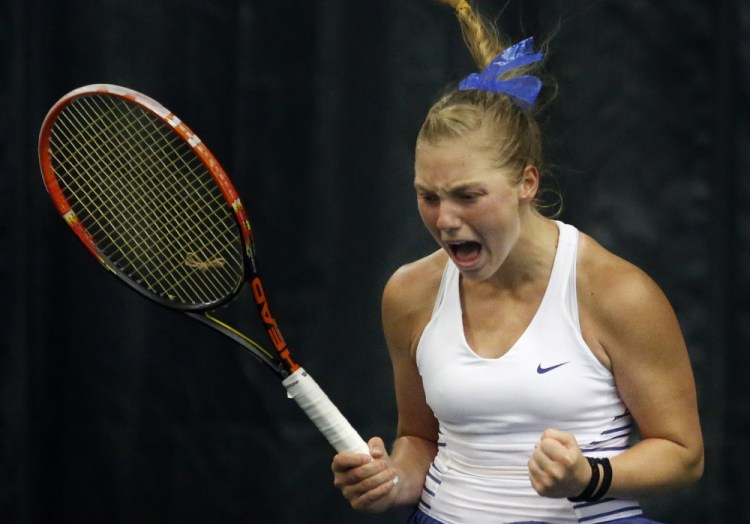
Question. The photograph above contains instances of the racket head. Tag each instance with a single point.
(146, 197)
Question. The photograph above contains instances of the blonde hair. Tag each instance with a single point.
(511, 133)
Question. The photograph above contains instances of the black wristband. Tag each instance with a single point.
(588, 491)
(606, 479)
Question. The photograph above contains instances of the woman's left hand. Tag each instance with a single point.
(557, 467)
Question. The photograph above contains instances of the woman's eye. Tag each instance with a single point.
(429, 198)
(469, 197)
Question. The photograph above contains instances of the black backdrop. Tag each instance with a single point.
(112, 409)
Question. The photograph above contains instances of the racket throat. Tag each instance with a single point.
(272, 329)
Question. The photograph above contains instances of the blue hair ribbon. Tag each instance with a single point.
(522, 89)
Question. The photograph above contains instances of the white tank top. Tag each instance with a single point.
(492, 411)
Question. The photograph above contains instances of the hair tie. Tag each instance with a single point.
(463, 4)
(522, 89)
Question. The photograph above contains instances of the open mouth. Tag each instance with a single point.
(465, 252)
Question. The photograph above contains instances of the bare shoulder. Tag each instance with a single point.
(416, 283)
(409, 297)
(619, 302)
(610, 281)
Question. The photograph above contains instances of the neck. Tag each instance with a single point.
(532, 257)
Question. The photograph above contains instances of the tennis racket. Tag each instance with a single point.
(155, 208)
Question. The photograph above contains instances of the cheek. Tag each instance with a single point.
(429, 218)
(427, 214)
(498, 224)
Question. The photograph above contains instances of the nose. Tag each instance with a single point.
(447, 219)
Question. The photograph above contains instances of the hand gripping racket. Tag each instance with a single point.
(156, 209)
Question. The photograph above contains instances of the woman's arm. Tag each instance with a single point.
(641, 336)
(631, 327)
(397, 478)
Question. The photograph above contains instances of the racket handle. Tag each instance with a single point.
(315, 403)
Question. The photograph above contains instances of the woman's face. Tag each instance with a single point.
(469, 205)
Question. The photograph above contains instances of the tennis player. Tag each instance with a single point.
(525, 355)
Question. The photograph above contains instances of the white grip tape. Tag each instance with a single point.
(340, 434)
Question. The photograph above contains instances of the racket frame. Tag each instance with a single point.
(280, 362)
(298, 383)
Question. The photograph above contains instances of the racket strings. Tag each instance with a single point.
(158, 155)
(137, 239)
(147, 200)
(153, 256)
(129, 225)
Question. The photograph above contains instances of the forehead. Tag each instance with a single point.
(452, 163)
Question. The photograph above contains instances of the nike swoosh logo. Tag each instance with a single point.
(542, 370)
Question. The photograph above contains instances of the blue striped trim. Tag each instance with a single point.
(608, 513)
(617, 430)
(610, 439)
(609, 448)
(592, 503)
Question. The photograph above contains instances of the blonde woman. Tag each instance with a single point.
(525, 355)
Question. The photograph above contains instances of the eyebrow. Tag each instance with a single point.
(466, 186)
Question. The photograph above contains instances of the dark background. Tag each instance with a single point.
(115, 410)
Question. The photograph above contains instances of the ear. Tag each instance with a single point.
(529, 184)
